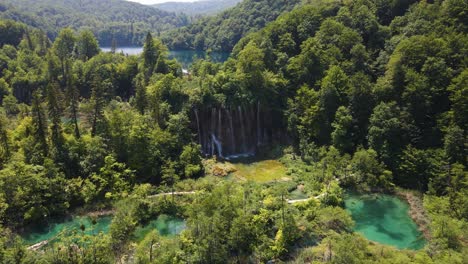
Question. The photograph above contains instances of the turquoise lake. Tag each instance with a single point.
(384, 219)
(165, 224)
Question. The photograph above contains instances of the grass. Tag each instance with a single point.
(261, 171)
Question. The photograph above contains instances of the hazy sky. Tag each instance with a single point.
(150, 2)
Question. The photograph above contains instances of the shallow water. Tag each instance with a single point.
(165, 224)
(57, 230)
(384, 219)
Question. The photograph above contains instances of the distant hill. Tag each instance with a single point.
(208, 7)
(222, 31)
(127, 22)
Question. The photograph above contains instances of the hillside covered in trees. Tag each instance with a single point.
(222, 32)
(204, 7)
(126, 22)
(366, 96)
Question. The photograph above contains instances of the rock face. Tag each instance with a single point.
(234, 132)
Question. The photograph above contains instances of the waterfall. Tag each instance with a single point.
(198, 128)
(220, 124)
(231, 131)
(218, 145)
(242, 127)
(259, 128)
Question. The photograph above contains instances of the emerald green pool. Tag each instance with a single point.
(165, 224)
(58, 230)
(384, 219)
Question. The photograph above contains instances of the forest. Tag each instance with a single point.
(122, 22)
(222, 31)
(200, 8)
(364, 96)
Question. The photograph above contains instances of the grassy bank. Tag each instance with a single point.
(416, 210)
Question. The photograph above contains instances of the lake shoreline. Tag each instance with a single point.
(416, 211)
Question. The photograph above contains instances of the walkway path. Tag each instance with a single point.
(306, 199)
(38, 245)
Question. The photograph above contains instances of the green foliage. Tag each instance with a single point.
(223, 31)
(126, 23)
(369, 94)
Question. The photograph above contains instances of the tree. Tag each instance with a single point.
(334, 88)
(390, 129)
(114, 180)
(191, 161)
(57, 141)
(169, 176)
(98, 93)
(368, 172)
(250, 66)
(150, 54)
(342, 135)
(39, 123)
(456, 145)
(140, 94)
(5, 151)
(458, 97)
(64, 46)
(361, 102)
(87, 45)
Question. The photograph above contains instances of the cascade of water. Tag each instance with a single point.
(212, 129)
(259, 132)
(231, 131)
(198, 127)
(220, 125)
(218, 145)
(242, 127)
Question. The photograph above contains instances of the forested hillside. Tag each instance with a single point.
(223, 31)
(366, 96)
(204, 7)
(126, 22)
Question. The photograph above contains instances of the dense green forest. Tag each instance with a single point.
(222, 32)
(204, 7)
(125, 22)
(366, 95)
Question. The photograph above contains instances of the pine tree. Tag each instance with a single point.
(72, 101)
(98, 94)
(39, 129)
(140, 94)
(150, 56)
(55, 112)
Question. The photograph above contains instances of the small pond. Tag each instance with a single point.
(384, 219)
(58, 229)
(165, 224)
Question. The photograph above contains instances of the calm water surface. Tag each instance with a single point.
(165, 224)
(384, 219)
